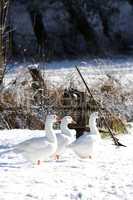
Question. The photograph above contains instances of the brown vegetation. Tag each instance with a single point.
(27, 100)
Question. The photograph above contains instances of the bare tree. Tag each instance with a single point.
(4, 4)
(78, 15)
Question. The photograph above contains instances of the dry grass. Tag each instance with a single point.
(30, 97)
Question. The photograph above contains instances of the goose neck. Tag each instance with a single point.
(93, 126)
(65, 130)
(49, 127)
(50, 131)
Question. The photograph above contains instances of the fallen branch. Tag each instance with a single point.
(116, 140)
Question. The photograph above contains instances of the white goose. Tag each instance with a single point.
(66, 136)
(39, 148)
(84, 145)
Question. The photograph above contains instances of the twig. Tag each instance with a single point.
(116, 140)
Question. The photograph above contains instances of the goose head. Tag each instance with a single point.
(94, 115)
(67, 120)
(50, 120)
(64, 125)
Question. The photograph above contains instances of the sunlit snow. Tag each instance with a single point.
(108, 176)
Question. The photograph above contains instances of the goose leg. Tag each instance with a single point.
(57, 157)
(38, 162)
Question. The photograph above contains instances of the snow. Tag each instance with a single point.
(61, 73)
(108, 176)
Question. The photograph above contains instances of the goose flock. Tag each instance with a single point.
(54, 143)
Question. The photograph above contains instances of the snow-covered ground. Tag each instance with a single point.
(61, 73)
(108, 176)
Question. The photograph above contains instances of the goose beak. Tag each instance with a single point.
(58, 119)
(74, 122)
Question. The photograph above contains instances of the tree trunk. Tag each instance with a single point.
(80, 20)
(3, 38)
(1, 50)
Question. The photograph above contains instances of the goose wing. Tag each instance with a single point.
(62, 139)
(33, 144)
(82, 140)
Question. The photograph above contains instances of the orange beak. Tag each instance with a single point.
(74, 122)
(58, 119)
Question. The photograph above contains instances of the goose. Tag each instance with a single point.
(84, 145)
(39, 149)
(66, 136)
